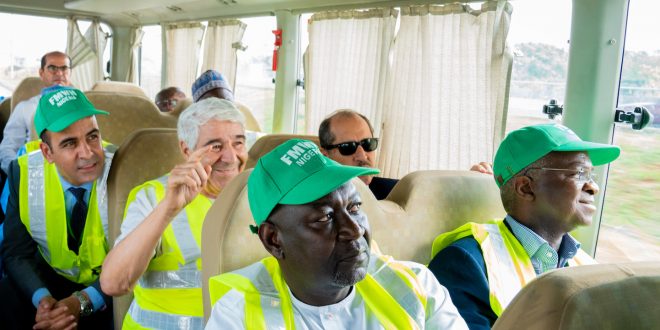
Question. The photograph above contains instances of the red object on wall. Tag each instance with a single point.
(278, 43)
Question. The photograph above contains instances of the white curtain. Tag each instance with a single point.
(133, 74)
(346, 63)
(447, 89)
(86, 52)
(220, 45)
(182, 42)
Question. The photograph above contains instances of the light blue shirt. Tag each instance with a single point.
(69, 202)
(543, 256)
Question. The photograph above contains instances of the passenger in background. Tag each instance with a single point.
(56, 226)
(167, 99)
(158, 253)
(347, 137)
(212, 84)
(321, 273)
(55, 70)
(546, 184)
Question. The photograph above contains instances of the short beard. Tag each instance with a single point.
(344, 279)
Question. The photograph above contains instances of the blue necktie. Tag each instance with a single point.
(77, 220)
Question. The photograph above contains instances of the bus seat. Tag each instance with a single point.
(5, 111)
(180, 106)
(119, 87)
(421, 206)
(608, 296)
(267, 143)
(128, 113)
(145, 154)
(251, 122)
(424, 204)
(27, 88)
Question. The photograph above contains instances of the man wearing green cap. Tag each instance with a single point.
(158, 253)
(322, 272)
(56, 226)
(544, 173)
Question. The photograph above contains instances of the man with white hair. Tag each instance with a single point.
(158, 253)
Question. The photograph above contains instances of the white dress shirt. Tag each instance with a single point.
(350, 313)
(17, 130)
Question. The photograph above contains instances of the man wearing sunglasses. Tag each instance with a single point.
(347, 137)
(55, 70)
(544, 173)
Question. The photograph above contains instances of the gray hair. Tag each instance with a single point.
(507, 190)
(200, 113)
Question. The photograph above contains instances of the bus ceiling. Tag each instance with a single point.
(118, 13)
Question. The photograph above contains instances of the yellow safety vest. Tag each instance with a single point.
(169, 293)
(43, 212)
(384, 277)
(508, 266)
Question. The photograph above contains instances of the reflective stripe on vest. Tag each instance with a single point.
(160, 321)
(391, 305)
(508, 266)
(169, 295)
(44, 215)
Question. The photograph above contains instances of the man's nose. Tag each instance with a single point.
(85, 150)
(228, 154)
(349, 228)
(360, 154)
(591, 187)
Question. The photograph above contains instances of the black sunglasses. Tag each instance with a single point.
(349, 148)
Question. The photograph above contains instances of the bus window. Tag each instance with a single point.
(254, 75)
(151, 60)
(630, 230)
(20, 59)
(540, 59)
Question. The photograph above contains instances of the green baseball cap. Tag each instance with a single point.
(59, 109)
(295, 173)
(529, 144)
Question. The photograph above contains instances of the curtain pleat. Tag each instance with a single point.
(182, 43)
(133, 74)
(222, 37)
(86, 52)
(446, 90)
(346, 63)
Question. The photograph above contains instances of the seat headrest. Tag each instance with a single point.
(27, 88)
(119, 87)
(267, 143)
(614, 296)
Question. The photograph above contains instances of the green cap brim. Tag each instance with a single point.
(598, 153)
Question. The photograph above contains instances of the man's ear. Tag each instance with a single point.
(324, 152)
(46, 151)
(524, 187)
(270, 238)
(184, 149)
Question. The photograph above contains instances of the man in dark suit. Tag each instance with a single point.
(544, 173)
(56, 225)
(347, 137)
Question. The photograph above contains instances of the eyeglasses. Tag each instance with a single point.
(167, 103)
(581, 174)
(349, 148)
(54, 68)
